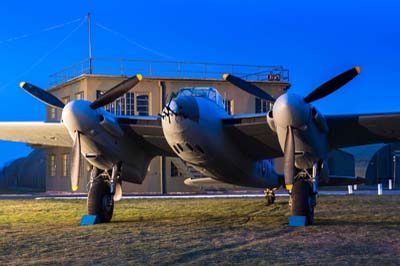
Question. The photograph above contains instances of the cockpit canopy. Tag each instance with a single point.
(205, 92)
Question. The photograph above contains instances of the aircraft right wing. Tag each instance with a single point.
(146, 130)
(36, 133)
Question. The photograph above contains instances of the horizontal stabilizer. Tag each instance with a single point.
(335, 180)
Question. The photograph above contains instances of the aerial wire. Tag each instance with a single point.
(42, 58)
(51, 28)
(118, 34)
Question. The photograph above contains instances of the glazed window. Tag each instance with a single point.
(65, 166)
(51, 165)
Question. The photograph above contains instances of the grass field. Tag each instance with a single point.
(349, 230)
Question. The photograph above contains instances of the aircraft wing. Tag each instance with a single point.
(36, 133)
(148, 131)
(361, 129)
(253, 136)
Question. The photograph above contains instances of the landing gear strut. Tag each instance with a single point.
(100, 201)
(103, 190)
(303, 200)
(303, 196)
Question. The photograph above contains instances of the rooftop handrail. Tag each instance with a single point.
(173, 69)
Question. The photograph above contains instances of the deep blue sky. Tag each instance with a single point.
(313, 39)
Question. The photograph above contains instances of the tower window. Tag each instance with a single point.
(229, 106)
(65, 166)
(262, 106)
(174, 170)
(51, 165)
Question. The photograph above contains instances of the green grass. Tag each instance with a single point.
(349, 230)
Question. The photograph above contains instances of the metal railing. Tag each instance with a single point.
(172, 69)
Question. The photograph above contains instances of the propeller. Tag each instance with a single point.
(320, 92)
(248, 87)
(42, 95)
(108, 97)
(288, 158)
(116, 92)
(76, 161)
(332, 85)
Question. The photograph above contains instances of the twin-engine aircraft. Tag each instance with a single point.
(195, 127)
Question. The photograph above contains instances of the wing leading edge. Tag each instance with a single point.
(144, 129)
(36, 133)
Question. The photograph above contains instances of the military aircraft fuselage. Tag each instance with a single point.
(192, 125)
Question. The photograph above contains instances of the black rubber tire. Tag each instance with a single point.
(302, 200)
(100, 202)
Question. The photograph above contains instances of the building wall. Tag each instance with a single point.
(90, 84)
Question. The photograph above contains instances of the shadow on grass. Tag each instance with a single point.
(330, 222)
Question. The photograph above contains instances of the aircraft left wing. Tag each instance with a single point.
(362, 129)
(36, 133)
(253, 136)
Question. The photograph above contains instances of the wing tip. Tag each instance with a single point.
(358, 69)
(139, 77)
(225, 76)
(22, 84)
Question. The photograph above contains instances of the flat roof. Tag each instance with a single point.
(109, 67)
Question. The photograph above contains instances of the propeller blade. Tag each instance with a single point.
(42, 95)
(76, 161)
(116, 92)
(288, 159)
(248, 87)
(332, 85)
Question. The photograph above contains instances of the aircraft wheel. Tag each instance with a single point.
(303, 200)
(100, 202)
(270, 196)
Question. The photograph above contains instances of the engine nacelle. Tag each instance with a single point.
(270, 121)
(319, 120)
(108, 123)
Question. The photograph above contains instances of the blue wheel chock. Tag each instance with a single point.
(89, 220)
(297, 221)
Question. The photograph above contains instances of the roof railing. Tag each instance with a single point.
(172, 69)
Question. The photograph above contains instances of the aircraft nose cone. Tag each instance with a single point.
(77, 115)
(185, 107)
(290, 110)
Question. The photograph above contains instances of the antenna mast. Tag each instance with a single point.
(90, 45)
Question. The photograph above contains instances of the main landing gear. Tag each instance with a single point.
(270, 195)
(303, 197)
(105, 188)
